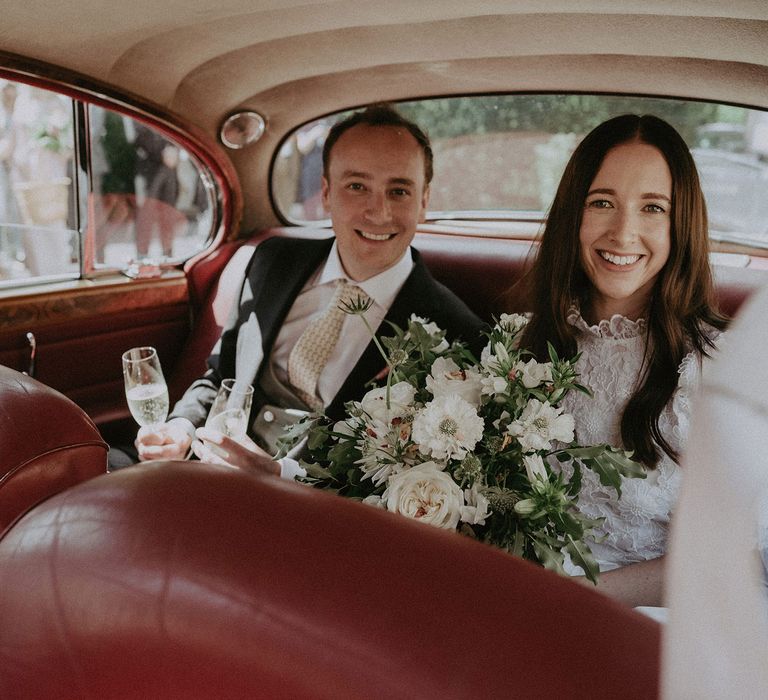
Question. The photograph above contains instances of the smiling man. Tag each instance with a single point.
(377, 168)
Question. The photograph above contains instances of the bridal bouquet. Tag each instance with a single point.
(468, 446)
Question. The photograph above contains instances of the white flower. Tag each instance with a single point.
(375, 501)
(433, 329)
(493, 385)
(538, 424)
(512, 323)
(448, 378)
(425, 493)
(476, 509)
(344, 427)
(377, 445)
(447, 428)
(401, 396)
(534, 467)
(534, 373)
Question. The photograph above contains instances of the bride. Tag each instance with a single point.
(622, 276)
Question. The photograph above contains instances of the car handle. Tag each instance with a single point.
(32, 353)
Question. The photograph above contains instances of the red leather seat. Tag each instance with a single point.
(186, 580)
(47, 444)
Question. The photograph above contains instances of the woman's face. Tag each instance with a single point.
(625, 230)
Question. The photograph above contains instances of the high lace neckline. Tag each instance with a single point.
(617, 327)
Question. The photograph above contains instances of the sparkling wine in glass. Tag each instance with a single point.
(231, 408)
(145, 387)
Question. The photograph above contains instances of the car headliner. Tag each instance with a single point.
(292, 60)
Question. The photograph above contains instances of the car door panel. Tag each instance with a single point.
(81, 334)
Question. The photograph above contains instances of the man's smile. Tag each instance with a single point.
(374, 236)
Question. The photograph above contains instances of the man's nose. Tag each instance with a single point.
(378, 209)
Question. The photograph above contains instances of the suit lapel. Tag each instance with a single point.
(275, 284)
(282, 283)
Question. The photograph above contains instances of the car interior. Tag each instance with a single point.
(181, 580)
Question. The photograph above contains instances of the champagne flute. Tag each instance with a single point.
(145, 387)
(231, 408)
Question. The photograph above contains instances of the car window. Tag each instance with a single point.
(501, 156)
(152, 201)
(145, 196)
(38, 217)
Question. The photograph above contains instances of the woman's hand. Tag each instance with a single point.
(215, 447)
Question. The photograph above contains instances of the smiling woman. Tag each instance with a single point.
(622, 277)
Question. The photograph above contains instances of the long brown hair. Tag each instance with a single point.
(683, 299)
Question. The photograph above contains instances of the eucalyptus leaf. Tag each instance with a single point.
(549, 558)
(315, 471)
(582, 556)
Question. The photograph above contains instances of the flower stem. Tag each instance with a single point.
(383, 353)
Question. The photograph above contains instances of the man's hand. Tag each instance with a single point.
(216, 448)
(169, 440)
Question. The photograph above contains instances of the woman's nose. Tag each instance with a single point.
(624, 227)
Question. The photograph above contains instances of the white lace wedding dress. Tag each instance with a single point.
(635, 526)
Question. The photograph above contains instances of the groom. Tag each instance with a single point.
(377, 167)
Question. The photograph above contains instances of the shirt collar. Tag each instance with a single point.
(382, 288)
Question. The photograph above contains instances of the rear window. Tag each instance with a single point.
(501, 156)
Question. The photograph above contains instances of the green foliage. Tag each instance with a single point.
(450, 117)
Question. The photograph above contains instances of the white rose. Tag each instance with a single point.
(427, 494)
(446, 377)
(401, 396)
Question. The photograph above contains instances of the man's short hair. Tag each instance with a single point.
(379, 115)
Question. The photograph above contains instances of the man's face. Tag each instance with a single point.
(376, 195)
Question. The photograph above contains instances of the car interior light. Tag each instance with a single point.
(242, 129)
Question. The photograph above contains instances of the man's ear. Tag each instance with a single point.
(424, 203)
(325, 192)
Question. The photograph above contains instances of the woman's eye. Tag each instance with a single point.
(599, 204)
(655, 208)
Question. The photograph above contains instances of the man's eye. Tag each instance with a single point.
(400, 192)
(355, 186)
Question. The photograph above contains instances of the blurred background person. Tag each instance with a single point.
(157, 168)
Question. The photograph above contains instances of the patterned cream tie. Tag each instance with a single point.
(314, 347)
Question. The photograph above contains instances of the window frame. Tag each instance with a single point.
(218, 175)
(502, 223)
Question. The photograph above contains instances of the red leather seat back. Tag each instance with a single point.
(176, 580)
(47, 444)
